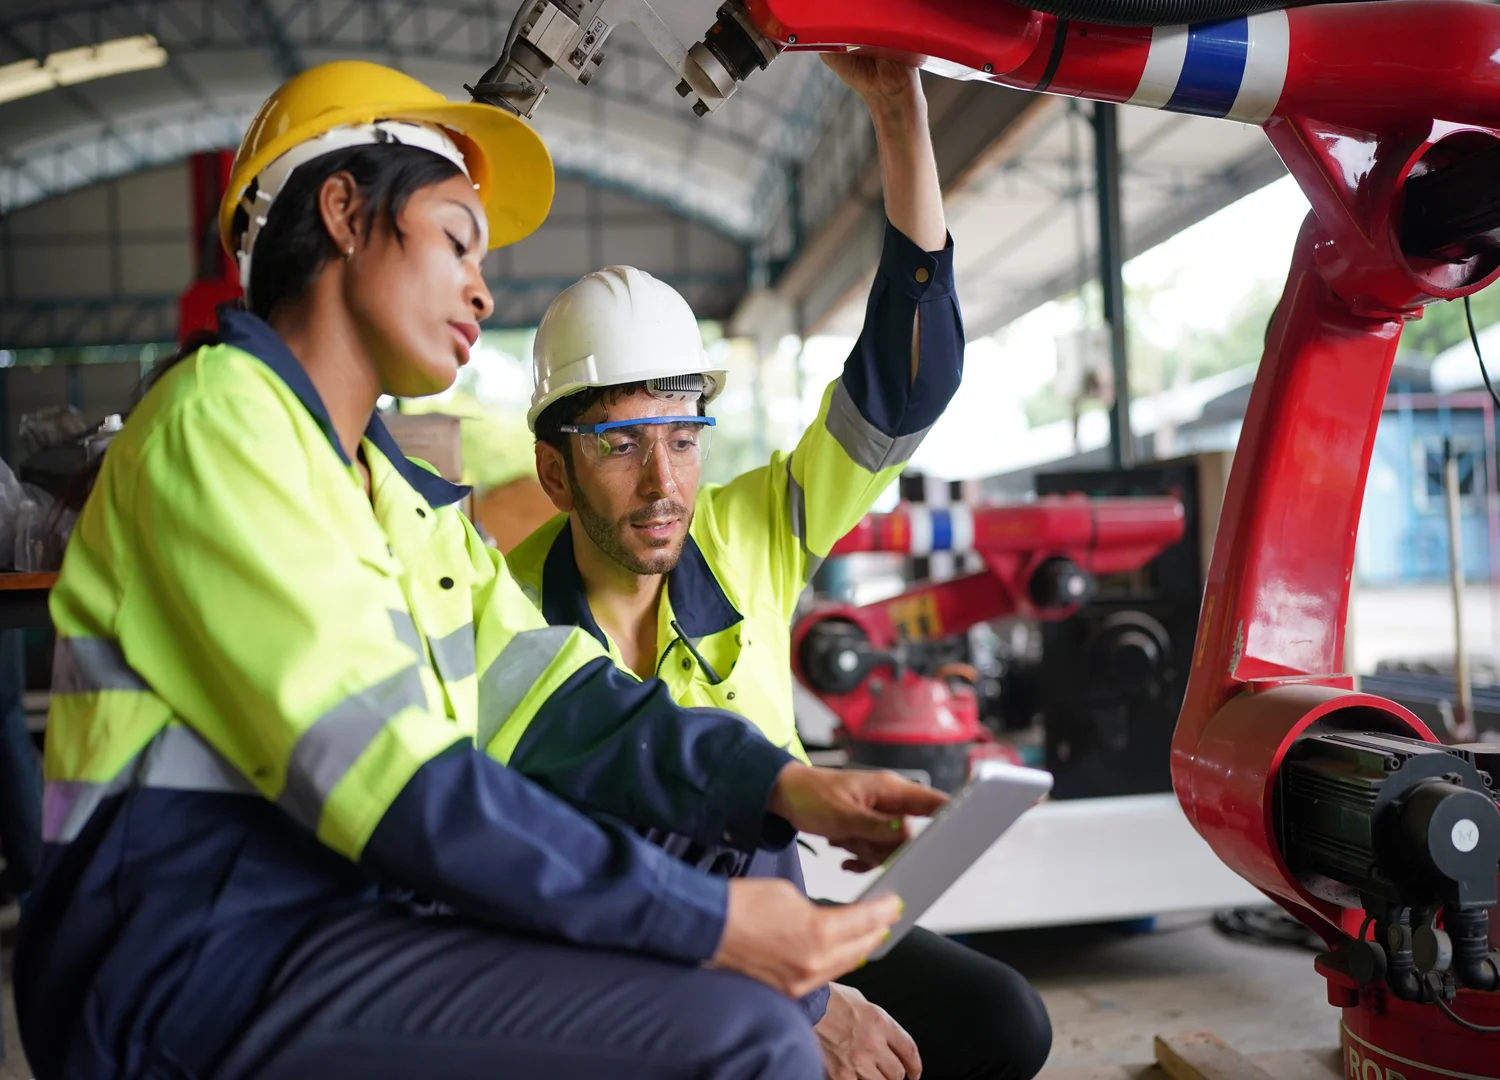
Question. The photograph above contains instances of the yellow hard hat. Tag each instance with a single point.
(505, 158)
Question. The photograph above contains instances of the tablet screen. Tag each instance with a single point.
(929, 864)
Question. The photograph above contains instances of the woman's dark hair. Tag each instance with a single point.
(293, 244)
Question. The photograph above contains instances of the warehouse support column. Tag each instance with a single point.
(1111, 279)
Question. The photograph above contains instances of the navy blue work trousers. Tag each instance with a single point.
(20, 771)
(383, 993)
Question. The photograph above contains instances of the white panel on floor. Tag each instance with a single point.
(1070, 861)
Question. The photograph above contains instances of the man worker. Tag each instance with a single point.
(698, 587)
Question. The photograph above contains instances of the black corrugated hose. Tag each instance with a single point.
(1154, 12)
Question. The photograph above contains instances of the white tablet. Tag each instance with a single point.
(930, 863)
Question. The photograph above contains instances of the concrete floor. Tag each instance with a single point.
(1110, 993)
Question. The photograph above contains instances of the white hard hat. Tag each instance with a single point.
(617, 325)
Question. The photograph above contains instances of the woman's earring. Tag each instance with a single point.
(349, 251)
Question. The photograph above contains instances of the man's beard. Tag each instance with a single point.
(609, 536)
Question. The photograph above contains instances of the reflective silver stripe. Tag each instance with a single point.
(797, 505)
(406, 631)
(329, 748)
(869, 447)
(454, 653)
(181, 759)
(87, 665)
(508, 680)
(178, 758)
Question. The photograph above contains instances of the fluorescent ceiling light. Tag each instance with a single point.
(72, 66)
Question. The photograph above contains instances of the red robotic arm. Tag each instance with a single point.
(1333, 802)
(1361, 65)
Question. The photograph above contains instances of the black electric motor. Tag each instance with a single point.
(1410, 832)
(1371, 815)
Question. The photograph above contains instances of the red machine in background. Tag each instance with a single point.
(216, 280)
(1041, 559)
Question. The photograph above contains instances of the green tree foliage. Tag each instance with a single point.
(1155, 367)
(1203, 351)
(1442, 325)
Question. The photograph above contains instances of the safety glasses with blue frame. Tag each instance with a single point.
(622, 445)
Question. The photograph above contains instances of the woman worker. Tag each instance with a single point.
(272, 847)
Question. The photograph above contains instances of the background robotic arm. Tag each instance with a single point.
(874, 665)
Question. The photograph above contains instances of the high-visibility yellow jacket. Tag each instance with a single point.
(756, 541)
(267, 695)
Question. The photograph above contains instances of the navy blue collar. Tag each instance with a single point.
(564, 602)
(253, 335)
(698, 600)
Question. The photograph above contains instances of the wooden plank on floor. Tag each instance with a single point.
(1201, 1055)
(1280, 1064)
(1301, 1064)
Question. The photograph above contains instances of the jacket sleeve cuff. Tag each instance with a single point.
(815, 1005)
(921, 275)
(744, 791)
(688, 923)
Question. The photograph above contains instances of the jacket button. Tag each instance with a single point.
(686, 664)
(730, 695)
(446, 582)
(922, 275)
(421, 512)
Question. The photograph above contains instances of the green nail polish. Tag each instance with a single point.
(896, 826)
